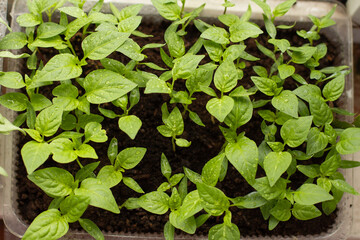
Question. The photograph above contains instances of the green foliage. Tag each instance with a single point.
(297, 113)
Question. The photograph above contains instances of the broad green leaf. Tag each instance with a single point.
(109, 176)
(217, 35)
(130, 24)
(39, 102)
(267, 52)
(60, 67)
(321, 112)
(175, 121)
(13, 40)
(185, 66)
(100, 196)
(265, 85)
(182, 142)
(305, 212)
(214, 200)
(156, 85)
(300, 55)
(131, 183)
(214, 50)
(243, 30)
(211, 171)
(132, 50)
(86, 171)
(249, 201)
(11, 80)
(130, 125)
(130, 157)
(73, 207)
(220, 107)
(49, 29)
(308, 92)
(169, 231)
(6, 126)
(55, 182)
(275, 164)
(155, 202)
(187, 225)
(343, 186)
(168, 9)
(14, 100)
(324, 183)
(63, 150)
(28, 20)
(311, 171)
(349, 141)
(225, 77)
(7, 54)
(283, 7)
(34, 154)
(165, 166)
(86, 151)
(286, 71)
(243, 155)
(47, 225)
(75, 12)
(316, 141)
(241, 113)
(195, 118)
(75, 26)
(175, 179)
(224, 232)
(91, 228)
(333, 89)
(105, 86)
(281, 44)
(233, 52)
(54, 42)
(264, 6)
(349, 164)
(94, 133)
(281, 211)
(309, 194)
(263, 187)
(99, 45)
(294, 131)
(174, 42)
(191, 205)
(286, 102)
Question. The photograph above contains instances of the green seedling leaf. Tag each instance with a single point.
(34, 154)
(214, 50)
(113, 150)
(91, 228)
(165, 166)
(132, 50)
(28, 20)
(264, 6)
(214, 200)
(63, 150)
(211, 171)
(286, 71)
(130, 157)
(243, 30)
(241, 113)
(47, 225)
(7, 54)
(281, 44)
(86, 171)
(13, 40)
(130, 125)
(217, 35)
(73, 207)
(263, 187)
(55, 182)
(156, 85)
(100, 196)
(99, 45)
(321, 112)
(311, 171)
(333, 89)
(250, 201)
(283, 7)
(174, 42)
(281, 211)
(243, 155)
(303, 212)
(316, 141)
(286, 102)
(294, 131)
(343, 186)
(169, 231)
(131, 183)
(93, 132)
(12, 80)
(49, 30)
(300, 55)
(73, 11)
(265, 85)
(220, 107)
(349, 164)
(182, 142)
(310, 194)
(109, 176)
(169, 10)
(155, 202)
(308, 92)
(224, 231)
(186, 65)
(105, 86)
(14, 100)
(187, 225)
(225, 77)
(192, 204)
(275, 164)
(175, 122)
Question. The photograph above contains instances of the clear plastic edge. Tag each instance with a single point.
(299, 13)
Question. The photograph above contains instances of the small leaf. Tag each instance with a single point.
(303, 212)
(225, 77)
(73, 207)
(349, 141)
(309, 194)
(343, 186)
(286, 102)
(286, 71)
(130, 125)
(109, 176)
(295, 131)
(217, 35)
(130, 157)
(220, 107)
(214, 201)
(91, 228)
(34, 154)
(13, 40)
(224, 231)
(155, 202)
(156, 85)
(243, 30)
(275, 164)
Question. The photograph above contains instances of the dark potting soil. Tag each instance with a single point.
(206, 143)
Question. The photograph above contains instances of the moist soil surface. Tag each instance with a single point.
(206, 143)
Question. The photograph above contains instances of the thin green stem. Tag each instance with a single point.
(68, 43)
(78, 161)
(173, 144)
